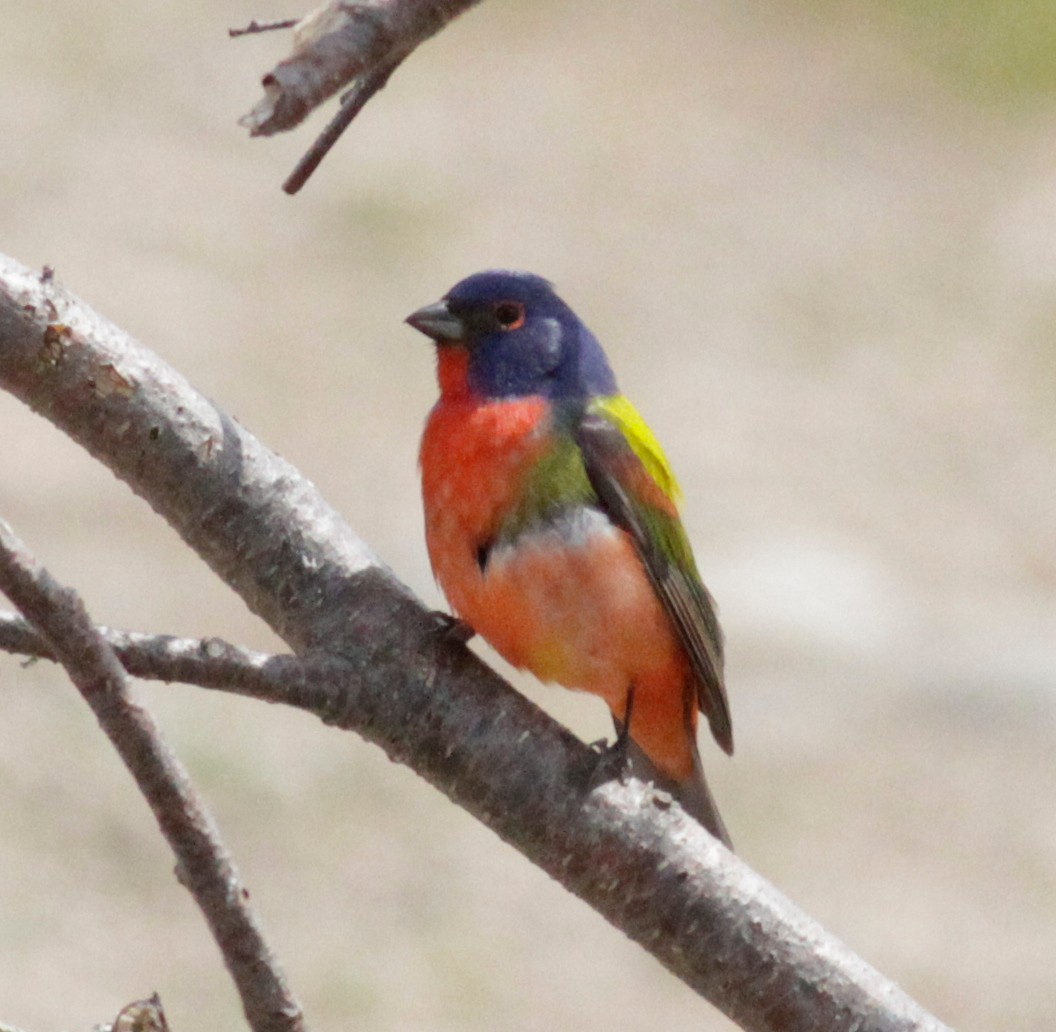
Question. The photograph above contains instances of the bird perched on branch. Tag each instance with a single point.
(552, 524)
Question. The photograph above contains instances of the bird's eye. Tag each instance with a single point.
(510, 314)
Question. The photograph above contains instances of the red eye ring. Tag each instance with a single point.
(510, 314)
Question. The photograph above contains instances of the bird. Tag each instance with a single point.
(553, 529)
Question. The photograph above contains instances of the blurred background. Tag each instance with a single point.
(819, 243)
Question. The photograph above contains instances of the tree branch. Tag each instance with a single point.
(204, 865)
(141, 1016)
(428, 702)
(352, 103)
(254, 28)
(361, 43)
(205, 662)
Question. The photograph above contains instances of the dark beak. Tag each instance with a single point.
(436, 321)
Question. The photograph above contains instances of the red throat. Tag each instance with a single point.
(452, 371)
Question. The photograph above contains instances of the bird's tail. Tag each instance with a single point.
(692, 793)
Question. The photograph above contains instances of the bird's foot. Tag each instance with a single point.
(611, 760)
(451, 627)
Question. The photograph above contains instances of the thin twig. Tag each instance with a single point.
(319, 683)
(205, 662)
(204, 866)
(255, 27)
(351, 104)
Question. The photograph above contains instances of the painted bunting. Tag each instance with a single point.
(552, 524)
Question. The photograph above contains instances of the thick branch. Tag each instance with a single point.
(204, 865)
(428, 702)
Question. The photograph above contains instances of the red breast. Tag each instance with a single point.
(475, 455)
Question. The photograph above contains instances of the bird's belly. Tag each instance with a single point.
(570, 601)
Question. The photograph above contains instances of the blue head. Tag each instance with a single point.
(522, 339)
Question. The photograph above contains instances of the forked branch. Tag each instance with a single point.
(342, 44)
(204, 866)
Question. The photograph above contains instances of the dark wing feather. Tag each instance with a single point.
(634, 501)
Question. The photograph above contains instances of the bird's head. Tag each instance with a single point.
(508, 335)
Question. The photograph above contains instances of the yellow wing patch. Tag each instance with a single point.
(626, 418)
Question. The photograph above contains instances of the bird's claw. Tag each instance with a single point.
(611, 761)
(451, 627)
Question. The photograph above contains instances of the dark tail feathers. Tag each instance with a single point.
(693, 794)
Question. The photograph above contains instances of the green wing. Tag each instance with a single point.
(635, 485)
